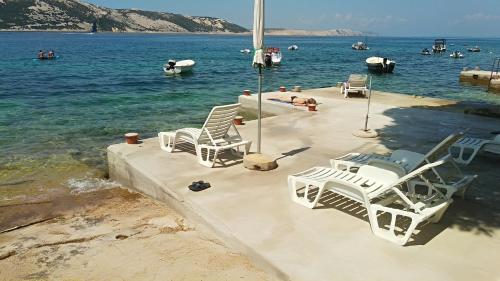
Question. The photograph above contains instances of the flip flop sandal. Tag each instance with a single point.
(198, 186)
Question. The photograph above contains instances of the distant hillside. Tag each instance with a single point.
(73, 15)
(301, 32)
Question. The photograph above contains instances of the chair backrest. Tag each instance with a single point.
(218, 123)
(442, 149)
(494, 145)
(358, 80)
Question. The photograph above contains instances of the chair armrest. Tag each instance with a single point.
(388, 165)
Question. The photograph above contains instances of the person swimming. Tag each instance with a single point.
(51, 55)
(41, 55)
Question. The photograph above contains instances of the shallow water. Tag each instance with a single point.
(60, 115)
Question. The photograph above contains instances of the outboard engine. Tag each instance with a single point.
(268, 60)
(171, 64)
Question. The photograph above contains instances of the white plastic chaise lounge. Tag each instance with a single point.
(212, 138)
(410, 161)
(355, 83)
(464, 150)
(378, 191)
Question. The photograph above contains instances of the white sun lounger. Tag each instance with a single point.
(377, 190)
(469, 147)
(212, 138)
(355, 83)
(410, 161)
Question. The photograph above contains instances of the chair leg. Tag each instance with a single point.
(390, 234)
(439, 214)
(171, 140)
(205, 161)
(294, 185)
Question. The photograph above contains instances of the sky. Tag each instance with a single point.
(477, 18)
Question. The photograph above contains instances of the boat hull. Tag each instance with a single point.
(380, 68)
(380, 65)
(180, 67)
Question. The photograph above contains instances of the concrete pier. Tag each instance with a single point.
(252, 213)
(481, 77)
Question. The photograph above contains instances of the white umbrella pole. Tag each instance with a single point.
(368, 110)
(259, 112)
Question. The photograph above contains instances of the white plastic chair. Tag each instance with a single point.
(212, 138)
(378, 191)
(466, 149)
(410, 161)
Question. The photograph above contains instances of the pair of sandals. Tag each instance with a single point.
(198, 186)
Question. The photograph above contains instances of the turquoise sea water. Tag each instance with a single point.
(103, 85)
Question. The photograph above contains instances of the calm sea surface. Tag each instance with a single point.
(57, 117)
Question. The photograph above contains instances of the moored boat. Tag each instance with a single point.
(273, 57)
(380, 65)
(457, 55)
(439, 46)
(475, 49)
(425, 52)
(293, 48)
(178, 67)
(245, 51)
(360, 46)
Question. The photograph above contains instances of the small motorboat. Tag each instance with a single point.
(476, 49)
(273, 57)
(439, 46)
(380, 65)
(178, 67)
(293, 48)
(245, 51)
(456, 55)
(360, 46)
(425, 52)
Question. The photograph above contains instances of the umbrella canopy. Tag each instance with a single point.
(258, 33)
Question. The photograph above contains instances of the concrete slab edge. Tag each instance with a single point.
(135, 180)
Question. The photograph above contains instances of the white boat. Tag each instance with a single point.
(380, 65)
(475, 49)
(360, 46)
(178, 67)
(273, 57)
(457, 55)
(293, 48)
(439, 46)
(245, 51)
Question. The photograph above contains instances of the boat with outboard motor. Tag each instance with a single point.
(475, 49)
(380, 65)
(360, 46)
(439, 46)
(178, 67)
(273, 57)
(457, 55)
(425, 52)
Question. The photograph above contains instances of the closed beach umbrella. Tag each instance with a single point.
(258, 59)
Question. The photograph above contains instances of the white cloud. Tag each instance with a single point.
(481, 17)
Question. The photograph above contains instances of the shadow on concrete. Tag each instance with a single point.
(411, 130)
(225, 158)
(293, 152)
